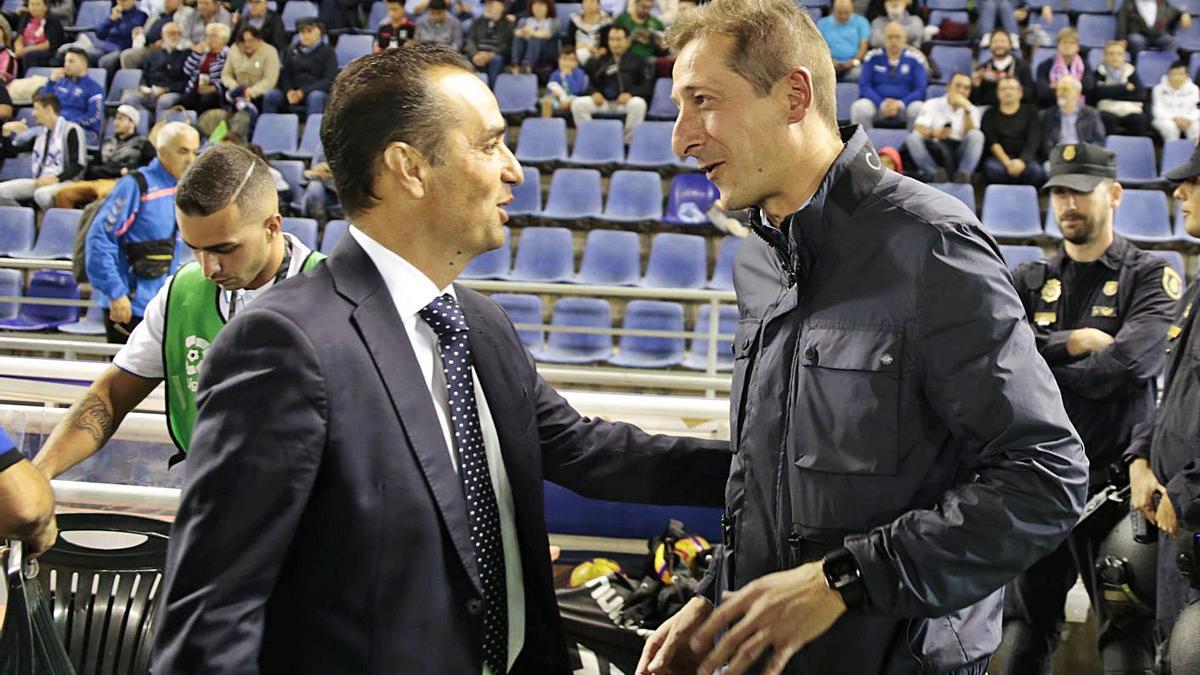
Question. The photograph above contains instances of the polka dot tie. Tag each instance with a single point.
(446, 319)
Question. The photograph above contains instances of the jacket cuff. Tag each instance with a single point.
(876, 571)
(1138, 449)
(1054, 351)
(708, 588)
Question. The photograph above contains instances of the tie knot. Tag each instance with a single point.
(444, 316)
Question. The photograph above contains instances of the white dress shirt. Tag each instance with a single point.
(411, 291)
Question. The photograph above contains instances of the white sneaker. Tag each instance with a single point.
(985, 41)
(1015, 39)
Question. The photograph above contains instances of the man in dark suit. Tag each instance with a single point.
(365, 483)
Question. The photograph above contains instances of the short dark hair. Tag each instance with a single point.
(437, 4)
(551, 12)
(613, 27)
(1177, 64)
(48, 101)
(222, 174)
(305, 22)
(254, 32)
(380, 99)
(78, 51)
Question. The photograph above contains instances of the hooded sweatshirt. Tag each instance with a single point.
(1170, 103)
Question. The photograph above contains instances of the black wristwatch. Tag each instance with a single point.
(842, 575)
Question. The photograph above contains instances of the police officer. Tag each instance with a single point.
(1100, 309)
(228, 214)
(1164, 454)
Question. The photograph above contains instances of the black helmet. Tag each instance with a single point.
(1127, 571)
(1182, 651)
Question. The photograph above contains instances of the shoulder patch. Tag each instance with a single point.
(1171, 283)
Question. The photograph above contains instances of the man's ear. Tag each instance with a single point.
(407, 168)
(274, 225)
(799, 94)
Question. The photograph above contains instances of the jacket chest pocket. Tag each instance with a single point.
(847, 409)
(745, 339)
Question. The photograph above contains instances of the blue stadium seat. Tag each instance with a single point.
(727, 320)
(598, 143)
(1011, 211)
(934, 91)
(1040, 54)
(651, 145)
(579, 347)
(100, 76)
(310, 140)
(334, 231)
(1050, 224)
(544, 254)
(17, 232)
(661, 105)
(1175, 153)
(692, 195)
(375, 17)
(722, 278)
(1090, 7)
(1188, 40)
(634, 197)
(10, 287)
(17, 167)
(494, 264)
(950, 60)
(517, 94)
(125, 78)
(887, 138)
(564, 10)
(542, 140)
(574, 195)
(1060, 21)
(639, 351)
(56, 284)
(176, 115)
(1151, 66)
(13, 6)
(56, 238)
(26, 115)
(611, 258)
(1142, 217)
(1173, 258)
(677, 261)
(297, 9)
(1095, 30)
(527, 197)
(963, 192)
(1135, 159)
(350, 47)
(304, 229)
(92, 322)
(948, 5)
(523, 309)
(847, 94)
(277, 133)
(293, 173)
(91, 14)
(1016, 255)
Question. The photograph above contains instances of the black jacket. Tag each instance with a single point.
(1088, 126)
(1129, 20)
(493, 36)
(308, 72)
(54, 31)
(162, 68)
(633, 75)
(116, 154)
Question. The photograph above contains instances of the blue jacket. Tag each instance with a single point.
(82, 103)
(114, 224)
(119, 34)
(574, 84)
(879, 80)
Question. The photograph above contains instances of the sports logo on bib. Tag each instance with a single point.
(196, 347)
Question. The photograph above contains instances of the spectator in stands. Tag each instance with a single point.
(1070, 121)
(1066, 61)
(645, 31)
(308, 72)
(146, 40)
(489, 40)
(897, 11)
(586, 30)
(566, 83)
(251, 70)
(892, 84)
(1174, 104)
(397, 29)
(268, 23)
(134, 229)
(124, 151)
(163, 76)
(59, 152)
(847, 35)
(1119, 93)
(439, 26)
(1150, 24)
(207, 11)
(9, 67)
(536, 37)
(320, 195)
(116, 33)
(38, 36)
(989, 12)
(1012, 134)
(1004, 63)
(81, 97)
(620, 82)
(946, 138)
(203, 68)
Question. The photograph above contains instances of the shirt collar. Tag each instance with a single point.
(1113, 258)
(410, 289)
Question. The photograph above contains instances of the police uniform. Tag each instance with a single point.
(1124, 293)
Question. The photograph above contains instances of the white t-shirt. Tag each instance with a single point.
(938, 112)
(142, 355)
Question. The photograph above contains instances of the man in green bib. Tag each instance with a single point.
(228, 215)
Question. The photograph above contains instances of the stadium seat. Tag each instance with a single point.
(598, 143)
(100, 76)
(1011, 211)
(579, 347)
(1016, 255)
(13, 6)
(527, 197)
(611, 258)
(350, 47)
(847, 94)
(293, 173)
(1173, 258)
(544, 254)
(564, 10)
(17, 232)
(1151, 66)
(964, 192)
(304, 229)
(677, 261)
(375, 17)
(310, 140)
(126, 78)
(1050, 224)
(494, 264)
(10, 287)
(26, 115)
(297, 9)
(887, 138)
(277, 133)
(651, 145)
(934, 91)
(1175, 153)
(92, 322)
(1091, 6)
(56, 238)
(574, 195)
(334, 231)
(1096, 30)
(948, 5)
(517, 94)
(1142, 217)
(176, 115)
(56, 284)
(1189, 39)
(523, 309)
(634, 197)
(1060, 21)
(692, 195)
(1041, 54)
(640, 351)
(949, 60)
(17, 167)
(722, 278)
(727, 320)
(91, 14)
(542, 140)
(661, 105)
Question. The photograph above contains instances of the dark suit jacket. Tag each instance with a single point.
(1088, 126)
(1129, 20)
(322, 527)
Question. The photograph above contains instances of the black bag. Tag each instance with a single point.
(150, 259)
(79, 259)
(29, 642)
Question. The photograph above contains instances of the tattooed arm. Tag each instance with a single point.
(92, 420)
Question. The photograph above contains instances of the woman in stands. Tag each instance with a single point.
(38, 36)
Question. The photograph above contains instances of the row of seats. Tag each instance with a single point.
(599, 143)
(517, 95)
(49, 284)
(1151, 65)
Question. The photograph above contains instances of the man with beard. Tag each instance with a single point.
(1100, 308)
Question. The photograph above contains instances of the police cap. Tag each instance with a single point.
(1081, 166)
(1189, 169)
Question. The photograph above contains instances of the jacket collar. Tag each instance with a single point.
(1113, 258)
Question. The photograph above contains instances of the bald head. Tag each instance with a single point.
(842, 9)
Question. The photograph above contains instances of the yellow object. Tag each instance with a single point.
(687, 549)
(592, 569)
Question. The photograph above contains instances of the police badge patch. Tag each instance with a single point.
(1052, 290)
(1110, 288)
(1172, 284)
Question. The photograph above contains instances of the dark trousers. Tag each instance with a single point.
(118, 333)
(994, 172)
(1174, 592)
(1129, 125)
